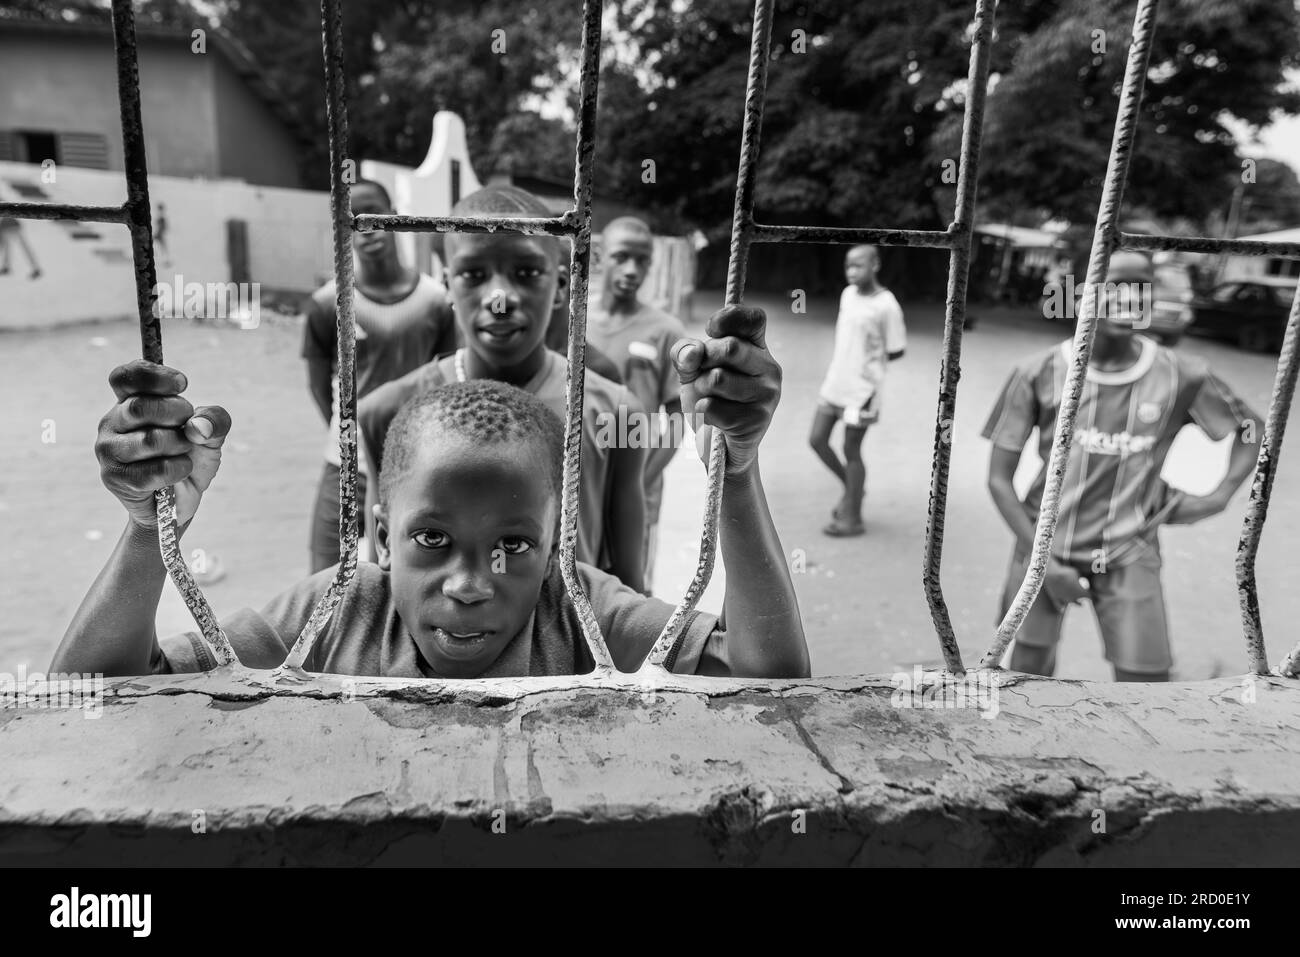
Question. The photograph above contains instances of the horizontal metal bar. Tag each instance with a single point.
(566, 225)
(768, 233)
(85, 214)
(1206, 244)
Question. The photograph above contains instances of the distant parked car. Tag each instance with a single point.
(1251, 314)
(1171, 313)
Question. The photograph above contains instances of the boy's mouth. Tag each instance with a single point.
(461, 645)
(500, 334)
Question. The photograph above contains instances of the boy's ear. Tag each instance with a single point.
(382, 549)
(561, 286)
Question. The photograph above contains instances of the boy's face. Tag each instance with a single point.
(372, 246)
(860, 266)
(626, 255)
(503, 288)
(468, 536)
(1126, 294)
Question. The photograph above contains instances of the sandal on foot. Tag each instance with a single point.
(844, 528)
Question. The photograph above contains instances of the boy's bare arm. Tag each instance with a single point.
(1002, 469)
(626, 511)
(734, 384)
(150, 439)
(1061, 582)
(659, 456)
(1241, 462)
(320, 383)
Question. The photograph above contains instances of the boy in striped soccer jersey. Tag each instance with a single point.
(1136, 398)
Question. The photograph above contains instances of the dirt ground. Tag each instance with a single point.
(861, 599)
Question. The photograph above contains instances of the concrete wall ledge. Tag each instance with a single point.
(250, 768)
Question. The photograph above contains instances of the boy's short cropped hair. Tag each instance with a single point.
(502, 200)
(483, 410)
(377, 186)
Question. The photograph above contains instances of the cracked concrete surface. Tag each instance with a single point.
(689, 771)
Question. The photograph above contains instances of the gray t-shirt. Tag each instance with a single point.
(602, 402)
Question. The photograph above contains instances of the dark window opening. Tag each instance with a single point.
(37, 146)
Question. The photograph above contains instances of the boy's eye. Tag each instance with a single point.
(515, 545)
(529, 272)
(471, 276)
(429, 538)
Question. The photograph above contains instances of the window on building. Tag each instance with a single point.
(88, 150)
(1288, 268)
(36, 146)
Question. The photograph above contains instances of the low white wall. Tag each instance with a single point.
(86, 271)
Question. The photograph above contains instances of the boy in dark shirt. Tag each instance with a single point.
(402, 321)
(467, 584)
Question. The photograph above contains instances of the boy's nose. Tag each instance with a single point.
(469, 586)
(500, 298)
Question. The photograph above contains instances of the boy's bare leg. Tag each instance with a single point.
(855, 472)
(31, 256)
(1033, 659)
(847, 517)
(820, 439)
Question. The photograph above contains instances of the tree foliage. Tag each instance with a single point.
(864, 100)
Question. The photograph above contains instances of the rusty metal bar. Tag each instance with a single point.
(769, 233)
(954, 321)
(742, 226)
(138, 218)
(1261, 489)
(82, 214)
(1206, 244)
(579, 272)
(1103, 242)
(341, 213)
(566, 225)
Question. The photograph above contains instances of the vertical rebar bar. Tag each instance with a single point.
(954, 320)
(1261, 489)
(139, 220)
(342, 175)
(742, 224)
(579, 272)
(1103, 241)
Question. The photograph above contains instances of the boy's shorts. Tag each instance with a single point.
(1129, 603)
(869, 414)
